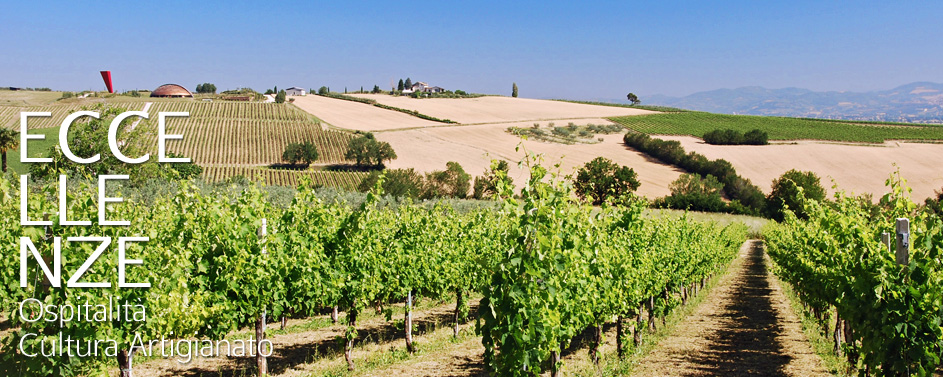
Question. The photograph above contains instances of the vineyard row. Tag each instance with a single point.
(285, 177)
(546, 266)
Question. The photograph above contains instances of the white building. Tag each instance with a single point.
(295, 91)
(423, 87)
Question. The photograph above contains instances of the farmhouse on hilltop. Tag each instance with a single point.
(295, 91)
(424, 88)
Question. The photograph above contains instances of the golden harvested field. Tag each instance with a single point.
(426, 146)
(474, 147)
(358, 116)
(494, 109)
(858, 168)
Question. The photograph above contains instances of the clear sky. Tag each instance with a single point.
(571, 49)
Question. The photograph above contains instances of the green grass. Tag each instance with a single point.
(755, 224)
(779, 128)
(37, 148)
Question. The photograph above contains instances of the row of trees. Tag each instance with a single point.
(734, 137)
(746, 198)
(705, 193)
(206, 88)
(403, 85)
(365, 150)
(598, 182)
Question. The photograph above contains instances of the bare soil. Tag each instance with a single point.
(301, 353)
(854, 167)
(358, 116)
(497, 109)
(462, 359)
(745, 327)
(475, 146)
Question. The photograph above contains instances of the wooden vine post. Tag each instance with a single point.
(886, 240)
(458, 312)
(260, 360)
(903, 241)
(408, 322)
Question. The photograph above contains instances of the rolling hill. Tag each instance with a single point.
(919, 102)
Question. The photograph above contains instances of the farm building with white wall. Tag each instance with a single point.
(424, 88)
(295, 91)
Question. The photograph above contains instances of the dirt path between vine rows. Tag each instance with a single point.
(745, 327)
(297, 353)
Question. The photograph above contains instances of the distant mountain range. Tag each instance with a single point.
(919, 102)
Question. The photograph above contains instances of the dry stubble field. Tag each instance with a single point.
(858, 168)
(358, 116)
(495, 109)
(427, 146)
(474, 147)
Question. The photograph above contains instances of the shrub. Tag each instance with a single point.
(756, 137)
(601, 180)
(561, 131)
(396, 182)
(747, 195)
(734, 137)
(786, 193)
(452, 182)
(486, 186)
(935, 204)
(723, 137)
(185, 170)
(280, 97)
(691, 192)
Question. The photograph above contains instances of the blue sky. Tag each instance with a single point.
(597, 50)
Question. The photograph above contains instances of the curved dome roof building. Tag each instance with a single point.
(172, 91)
